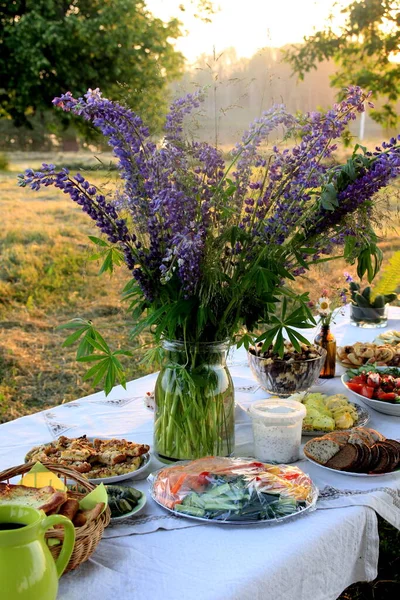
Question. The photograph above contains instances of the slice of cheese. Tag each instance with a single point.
(43, 479)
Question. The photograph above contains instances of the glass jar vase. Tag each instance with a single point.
(194, 402)
(326, 339)
(368, 317)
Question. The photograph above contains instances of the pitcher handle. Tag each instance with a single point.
(69, 539)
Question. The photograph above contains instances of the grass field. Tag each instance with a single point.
(46, 278)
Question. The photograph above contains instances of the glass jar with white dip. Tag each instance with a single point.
(277, 425)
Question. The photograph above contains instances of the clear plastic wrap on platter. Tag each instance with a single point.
(233, 490)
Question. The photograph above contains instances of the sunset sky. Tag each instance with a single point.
(247, 25)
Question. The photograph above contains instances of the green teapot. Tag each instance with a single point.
(27, 568)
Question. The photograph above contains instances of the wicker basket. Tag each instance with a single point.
(86, 537)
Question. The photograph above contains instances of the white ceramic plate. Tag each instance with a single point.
(386, 408)
(133, 512)
(350, 472)
(124, 476)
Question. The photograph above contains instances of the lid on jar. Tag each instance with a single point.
(278, 410)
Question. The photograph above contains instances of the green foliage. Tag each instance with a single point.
(111, 256)
(300, 317)
(93, 348)
(390, 279)
(50, 47)
(362, 49)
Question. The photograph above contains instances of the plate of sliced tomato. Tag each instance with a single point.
(378, 387)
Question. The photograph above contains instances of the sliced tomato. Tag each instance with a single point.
(359, 379)
(367, 391)
(355, 387)
(386, 396)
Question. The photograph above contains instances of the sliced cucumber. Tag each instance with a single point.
(190, 510)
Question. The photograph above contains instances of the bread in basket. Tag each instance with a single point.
(88, 535)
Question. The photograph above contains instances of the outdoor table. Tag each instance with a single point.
(162, 557)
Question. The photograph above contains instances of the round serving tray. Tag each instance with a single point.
(309, 507)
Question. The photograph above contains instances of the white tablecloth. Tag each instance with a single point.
(316, 556)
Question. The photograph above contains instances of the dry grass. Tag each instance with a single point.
(46, 278)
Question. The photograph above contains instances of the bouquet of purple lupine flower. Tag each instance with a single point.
(214, 244)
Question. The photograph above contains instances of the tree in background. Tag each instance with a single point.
(52, 46)
(366, 50)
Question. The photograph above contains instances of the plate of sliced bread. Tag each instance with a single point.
(359, 452)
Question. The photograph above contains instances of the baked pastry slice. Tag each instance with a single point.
(45, 498)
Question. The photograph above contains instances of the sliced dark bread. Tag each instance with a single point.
(385, 460)
(375, 458)
(396, 446)
(345, 459)
(321, 449)
(393, 454)
(365, 460)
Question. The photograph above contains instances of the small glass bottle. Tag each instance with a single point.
(326, 339)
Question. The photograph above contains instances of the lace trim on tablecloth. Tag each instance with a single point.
(331, 493)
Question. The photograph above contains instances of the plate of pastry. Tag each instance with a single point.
(99, 460)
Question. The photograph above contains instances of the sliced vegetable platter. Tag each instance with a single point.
(233, 490)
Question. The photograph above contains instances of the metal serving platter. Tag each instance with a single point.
(311, 505)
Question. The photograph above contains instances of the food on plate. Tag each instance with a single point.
(122, 500)
(327, 413)
(49, 500)
(294, 372)
(360, 450)
(46, 498)
(375, 384)
(94, 459)
(362, 353)
(388, 337)
(233, 489)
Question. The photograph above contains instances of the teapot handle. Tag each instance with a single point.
(69, 539)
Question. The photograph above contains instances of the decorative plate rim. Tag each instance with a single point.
(351, 473)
